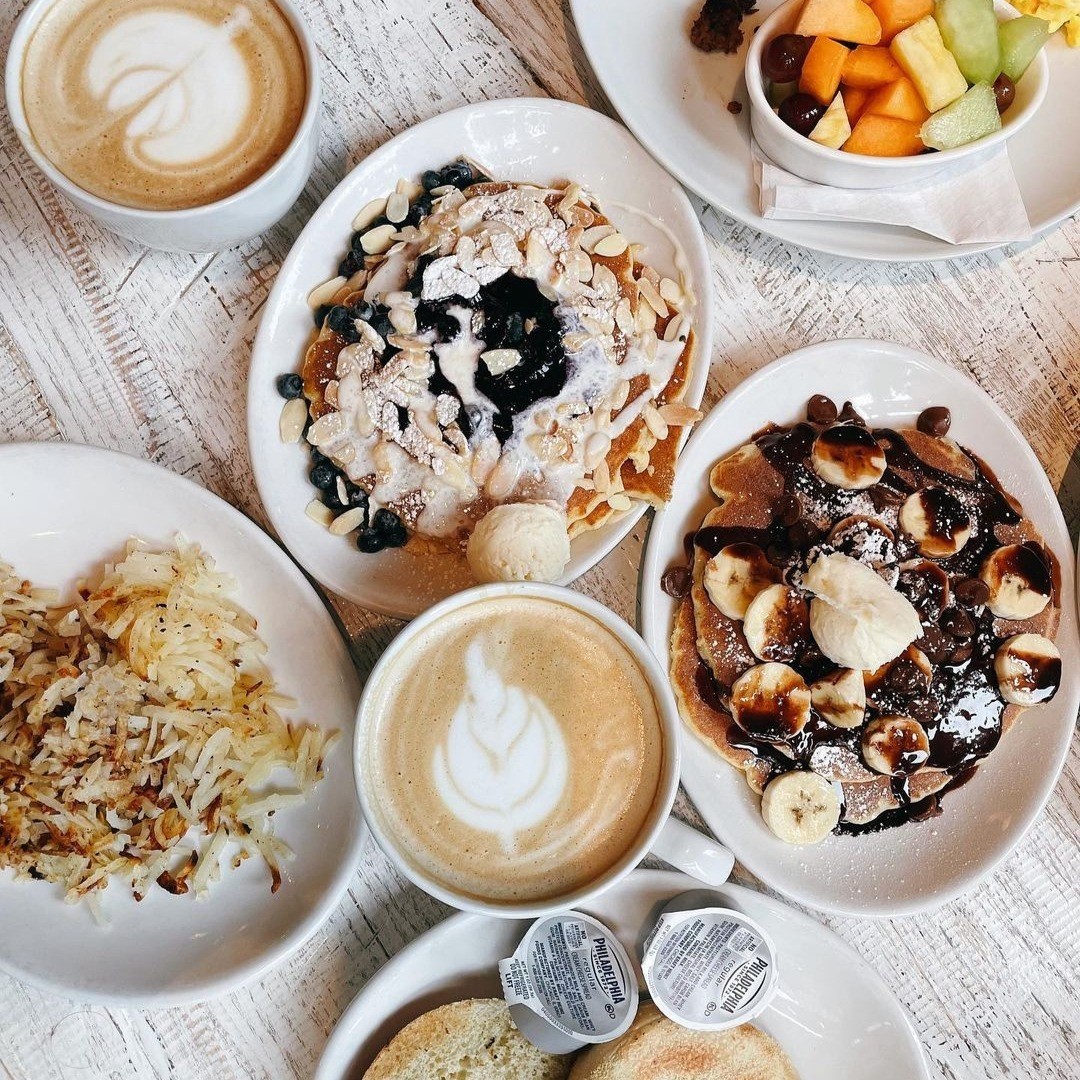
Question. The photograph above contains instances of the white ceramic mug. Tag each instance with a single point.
(664, 836)
(212, 227)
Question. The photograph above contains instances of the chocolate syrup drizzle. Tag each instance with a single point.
(961, 709)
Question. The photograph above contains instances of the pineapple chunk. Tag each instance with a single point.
(834, 128)
(920, 51)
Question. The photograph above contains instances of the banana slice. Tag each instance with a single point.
(840, 698)
(937, 521)
(777, 624)
(848, 456)
(1028, 669)
(895, 745)
(770, 702)
(906, 677)
(735, 575)
(1019, 579)
(800, 807)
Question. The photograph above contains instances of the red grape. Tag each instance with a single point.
(1004, 91)
(784, 57)
(802, 113)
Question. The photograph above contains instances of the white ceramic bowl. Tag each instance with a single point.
(837, 168)
(519, 139)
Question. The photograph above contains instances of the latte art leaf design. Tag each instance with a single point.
(503, 767)
(179, 82)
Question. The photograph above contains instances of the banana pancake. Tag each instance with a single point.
(867, 613)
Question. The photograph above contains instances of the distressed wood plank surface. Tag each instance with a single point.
(146, 352)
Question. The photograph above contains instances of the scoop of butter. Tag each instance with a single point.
(857, 619)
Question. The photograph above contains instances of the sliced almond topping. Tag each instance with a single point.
(619, 502)
(677, 414)
(569, 199)
(377, 241)
(676, 329)
(326, 292)
(442, 189)
(671, 291)
(620, 394)
(624, 317)
(591, 237)
(374, 209)
(409, 188)
(652, 297)
(654, 421)
(397, 208)
(326, 429)
(330, 394)
(347, 453)
(611, 246)
(601, 477)
(294, 415)
(319, 512)
(500, 360)
(347, 522)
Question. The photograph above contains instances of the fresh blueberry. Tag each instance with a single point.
(290, 386)
(323, 476)
(381, 324)
(350, 264)
(390, 528)
(342, 321)
(330, 497)
(419, 210)
(369, 541)
(357, 495)
(320, 315)
(317, 456)
(363, 310)
(458, 173)
(431, 179)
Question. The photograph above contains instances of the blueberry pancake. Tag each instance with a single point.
(490, 343)
(864, 614)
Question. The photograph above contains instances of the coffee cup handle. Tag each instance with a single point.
(693, 852)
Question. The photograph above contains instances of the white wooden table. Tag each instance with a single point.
(145, 352)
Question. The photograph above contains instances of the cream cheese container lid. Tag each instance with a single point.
(709, 968)
(569, 984)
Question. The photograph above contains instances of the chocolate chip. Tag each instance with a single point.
(922, 709)
(804, 533)
(935, 644)
(820, 410)
(957, 623)
(906, 677)
(972, 592)
(676, 582)
(934, 421)
(788, 510)
(884, 498)
(961, 654)
(848, 413)
(778, 554)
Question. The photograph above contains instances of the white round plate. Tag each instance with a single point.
(674, 98)
(67, 509)
(832, 1015)
(920, 865)
(521, 139)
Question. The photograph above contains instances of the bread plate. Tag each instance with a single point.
(922, 865)
(169, 950)
(832, 1015)
(522, 139)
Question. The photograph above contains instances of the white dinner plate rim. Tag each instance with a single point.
(252, 970)
(344, 1039)
(615, 531)
(658, 635)
(776, 228)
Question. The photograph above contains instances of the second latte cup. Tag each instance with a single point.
(407, 783)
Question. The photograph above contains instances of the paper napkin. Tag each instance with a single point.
(968, 203)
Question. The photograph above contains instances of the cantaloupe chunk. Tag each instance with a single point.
(884, 136)
(821, 69)
(856, 98)
(921, 52)
(844, 20)
(870, 66)
(897, 15)
(899, 99)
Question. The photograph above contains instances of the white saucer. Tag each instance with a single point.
(67, 509)
(920, 865)
(521, 139)
(833, 1015)
(674, 98)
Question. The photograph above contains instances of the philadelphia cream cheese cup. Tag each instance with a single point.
(709, 968)
(570, 984)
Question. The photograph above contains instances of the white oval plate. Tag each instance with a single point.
(832, 1015)
(674, 98)
(67, 509)
(521, 139)
(920, 865)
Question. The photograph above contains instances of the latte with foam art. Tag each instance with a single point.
(515, 750)
(164, 104)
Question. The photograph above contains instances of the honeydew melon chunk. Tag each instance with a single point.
(1021, 41)
(969, 29)
(920, 51)
(972, 117)
(834, 128)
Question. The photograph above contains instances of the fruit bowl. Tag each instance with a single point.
(841, 168)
